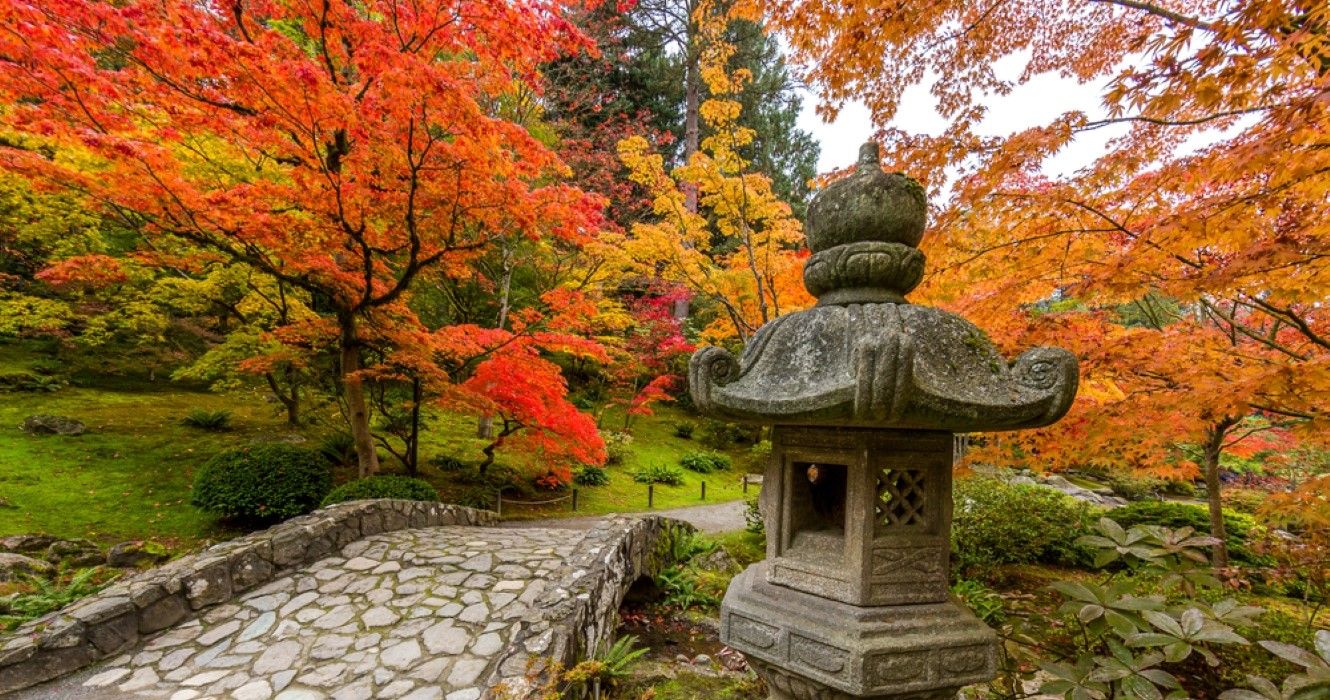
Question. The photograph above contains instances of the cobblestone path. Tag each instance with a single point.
(417, 614)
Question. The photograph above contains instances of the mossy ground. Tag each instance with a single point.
(129, 476)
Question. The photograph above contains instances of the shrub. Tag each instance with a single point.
(617, 448)
(705, 462)
(753, 517)
(1244, 500)
(591, 476)
(263, 482)
(47, 595)
(549, 481)
(718, 435)
(1177, 515)
(758, 455)
(447, 464)
(997, 523)
(388, 486)
(660, 474)
(215, 421)
(338, 448)
(1136, 488)
(684, 429)
(28, 382)
(983, 601)
(1236, 662)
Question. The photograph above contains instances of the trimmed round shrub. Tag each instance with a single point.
(660, 474)
(1169, 514)
(705, 462)
(388, 486)
(262, 482)
(997, 523)
(591, 476)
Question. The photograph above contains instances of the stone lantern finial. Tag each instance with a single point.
(865, 392)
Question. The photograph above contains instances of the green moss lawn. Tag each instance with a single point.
(129, 476)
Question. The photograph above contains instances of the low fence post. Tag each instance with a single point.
(651, 496)
(574, 500)
(704, 490)
(745, 480)
(498, 500)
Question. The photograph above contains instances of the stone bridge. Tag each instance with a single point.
(369, 599)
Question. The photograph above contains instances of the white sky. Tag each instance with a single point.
(1036, 102)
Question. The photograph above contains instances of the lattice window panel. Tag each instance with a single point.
(900, 498)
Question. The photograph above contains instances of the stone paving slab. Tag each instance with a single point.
(416, 614)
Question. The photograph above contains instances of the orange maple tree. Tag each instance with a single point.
(1187, 265)
(341, 147)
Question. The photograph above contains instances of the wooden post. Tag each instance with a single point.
(704, 490)
(498, 498)
(745, 477)
(651, 496)
(574, 500)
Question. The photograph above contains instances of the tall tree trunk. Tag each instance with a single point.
(691, 129)
(1212, 449)
(485, 424)
(353, 390)
(413, 444)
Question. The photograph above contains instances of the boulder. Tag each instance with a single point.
(135, 553)
(26, 544)
(718, 560)
(15, 566)
(1060, 483)
(52, 425)
(75, 553)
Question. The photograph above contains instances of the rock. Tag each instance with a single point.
(701, 660)
(74, 553)
(719, 560)
(26, 544)
(135, 553)
(1059, 483)
(52, 425)
(15, 566)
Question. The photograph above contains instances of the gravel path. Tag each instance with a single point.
(719, 517)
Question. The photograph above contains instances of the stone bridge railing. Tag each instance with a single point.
(578, 614)
(114, 619)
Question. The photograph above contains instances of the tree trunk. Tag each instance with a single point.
(353, 390)
(691, 129)
(1213, 448)
(290, 400)
(508, 429)
(413, 445)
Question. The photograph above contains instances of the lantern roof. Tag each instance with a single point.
(865, 357)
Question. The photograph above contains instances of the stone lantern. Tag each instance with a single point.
(865, 392)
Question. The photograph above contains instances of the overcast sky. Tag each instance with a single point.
(1036, 102)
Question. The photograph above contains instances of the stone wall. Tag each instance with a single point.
(113, 619)
(577, 615)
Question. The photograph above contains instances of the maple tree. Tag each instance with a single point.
(342, 149)
(740, 248)
(1203, 216)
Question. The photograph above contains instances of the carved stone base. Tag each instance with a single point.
(783, 685)
(811, 648)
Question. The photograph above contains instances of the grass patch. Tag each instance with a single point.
(129, 476)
